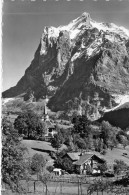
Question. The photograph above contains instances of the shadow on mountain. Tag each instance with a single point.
(118, 118)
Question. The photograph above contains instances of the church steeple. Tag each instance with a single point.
(45, 112)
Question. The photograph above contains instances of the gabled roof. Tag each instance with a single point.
(87, 156)
(83, 159)
(74, 155)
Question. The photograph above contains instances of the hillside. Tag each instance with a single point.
(118, 117)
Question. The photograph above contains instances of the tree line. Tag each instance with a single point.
(87, 135)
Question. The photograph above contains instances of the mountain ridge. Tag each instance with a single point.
(84, 62)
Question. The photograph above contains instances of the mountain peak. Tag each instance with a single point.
(75, 61)
(84, 18)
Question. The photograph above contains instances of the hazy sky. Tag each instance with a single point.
(24, 20)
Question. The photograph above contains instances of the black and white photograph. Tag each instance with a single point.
(65, 97)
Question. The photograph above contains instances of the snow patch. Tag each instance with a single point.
(123, 32)
(52, 88)
(72, 33)
(94, 47)
(75, 56)
(52, 32)
(5, 100)
(110, 38)
(90, 51)
(120, 100)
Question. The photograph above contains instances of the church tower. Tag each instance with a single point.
(45, 116)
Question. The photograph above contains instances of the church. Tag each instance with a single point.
(50, 128)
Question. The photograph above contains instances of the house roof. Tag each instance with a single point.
(83, 159)
(74, 155)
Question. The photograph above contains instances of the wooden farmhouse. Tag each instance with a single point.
(88, 163)
(85, 163)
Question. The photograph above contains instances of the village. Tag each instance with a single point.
(82, 160)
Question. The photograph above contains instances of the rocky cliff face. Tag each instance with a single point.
(83, 65)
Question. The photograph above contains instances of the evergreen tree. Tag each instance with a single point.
(57, 141)
(108, 134)
(67, 165)
(102, 167)
(81, 126)
(38, 163)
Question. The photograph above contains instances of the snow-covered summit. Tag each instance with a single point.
(74, 27)
(108, 31)
(85, 22)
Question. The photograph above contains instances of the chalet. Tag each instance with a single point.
(88, 161)
(85, 162)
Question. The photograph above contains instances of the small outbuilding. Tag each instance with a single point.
(57, 171)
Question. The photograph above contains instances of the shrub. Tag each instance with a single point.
(50, 168)
(38, 162)
(104, 152)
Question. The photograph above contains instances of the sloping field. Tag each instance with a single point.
(39, 147)
(116, 154)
